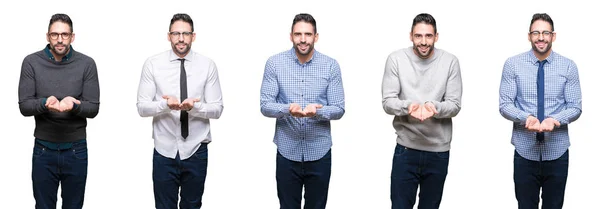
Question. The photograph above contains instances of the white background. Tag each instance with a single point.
(239, 36)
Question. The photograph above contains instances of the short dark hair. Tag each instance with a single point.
(182, 17)
(541, 16)
(424, 18)
(304, 17)
(61, 18)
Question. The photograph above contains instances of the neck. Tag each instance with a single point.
(59, 57)
(304, 58)
(542, 56)
(181, 55)
(423, 58)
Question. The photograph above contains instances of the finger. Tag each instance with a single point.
(428, 108)
(556, 123)
(319, 106)
(434, 110)
(77, 101)
(414, 108)
(529, 123)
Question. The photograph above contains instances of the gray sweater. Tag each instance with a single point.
(407, 79)
(42, 77)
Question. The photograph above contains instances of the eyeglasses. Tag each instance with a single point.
(537, 33)
(54, 36)
(177, 34)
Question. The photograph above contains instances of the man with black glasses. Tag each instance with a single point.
(540, 94)
(59, 87)
(180, 89)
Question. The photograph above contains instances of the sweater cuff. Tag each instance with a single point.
(44, 103)
(75, 106)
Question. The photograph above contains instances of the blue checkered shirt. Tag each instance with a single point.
(287, 81)
(518, 100)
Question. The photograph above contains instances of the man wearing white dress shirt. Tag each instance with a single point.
(180, 89)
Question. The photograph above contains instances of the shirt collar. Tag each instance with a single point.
(51, 56)
(174, 57)
(533, 59)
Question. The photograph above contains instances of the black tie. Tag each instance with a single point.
(183, 88)
(540, 97)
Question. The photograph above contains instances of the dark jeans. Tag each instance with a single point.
(412, 168)
(169, 175)
(66, 167)
(550, 176)
(313, 175)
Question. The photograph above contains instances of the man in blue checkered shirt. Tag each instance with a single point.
(540, 94)
(303, 90)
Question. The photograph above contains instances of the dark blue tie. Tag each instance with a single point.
(540, 96)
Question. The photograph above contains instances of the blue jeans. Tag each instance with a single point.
(66, 167)
(412, 168)
(550, 176)
(313, 175)
(170, 175)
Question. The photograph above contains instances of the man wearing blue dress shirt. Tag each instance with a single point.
(540, 94)
(303, 90)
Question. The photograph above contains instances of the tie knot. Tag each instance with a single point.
(542, 62)
(181, 59)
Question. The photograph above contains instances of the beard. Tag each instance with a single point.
(545, 49)
(183, 51)
(57, 51)
(423, 55)
(307, 52)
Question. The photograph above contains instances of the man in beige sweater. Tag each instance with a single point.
(422, 88)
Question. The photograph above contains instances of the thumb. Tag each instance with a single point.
(77, 101)
(319, 106)
(434, 110)
(197, 100)
(165, 97)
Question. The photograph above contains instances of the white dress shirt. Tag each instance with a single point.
(160, 76)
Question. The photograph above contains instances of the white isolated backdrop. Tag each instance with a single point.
(239, 36)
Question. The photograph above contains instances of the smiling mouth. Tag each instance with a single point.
(540, 44)
(303, 46)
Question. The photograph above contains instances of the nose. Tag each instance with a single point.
(180, 38)
(303, 38)
(423, 41)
